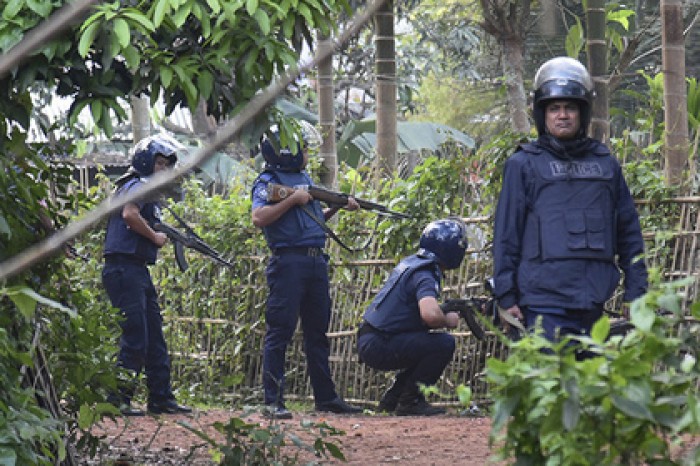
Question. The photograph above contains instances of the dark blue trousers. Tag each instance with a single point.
(420, 356)
(558, 323)
(298, 290)
(142, 344)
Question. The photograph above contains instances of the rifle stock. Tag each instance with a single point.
(277, 192)
(190, 240)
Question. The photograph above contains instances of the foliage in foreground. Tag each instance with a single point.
(632, 404)
(274, 444)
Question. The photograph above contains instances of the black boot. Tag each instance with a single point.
(390, 398)
(414, 404)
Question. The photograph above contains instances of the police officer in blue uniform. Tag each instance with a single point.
(565, 222)
(131, 245)
(396, 330)
(297, 277)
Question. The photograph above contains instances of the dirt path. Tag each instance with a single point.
(369, 440)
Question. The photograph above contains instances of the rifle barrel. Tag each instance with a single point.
(332, 197)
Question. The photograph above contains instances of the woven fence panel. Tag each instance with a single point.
(216, 340)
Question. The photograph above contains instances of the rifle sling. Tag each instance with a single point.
(332, 234)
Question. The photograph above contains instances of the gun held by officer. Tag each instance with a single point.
(279, 192)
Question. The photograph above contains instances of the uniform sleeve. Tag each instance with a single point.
(133, 187)
(630, 243)
(508, 230)
(423, 281)
(259, 193)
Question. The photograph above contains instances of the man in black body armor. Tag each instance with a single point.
(396, 331)
(566, 222)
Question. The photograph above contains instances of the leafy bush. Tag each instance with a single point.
(632, 404)
(253, 444)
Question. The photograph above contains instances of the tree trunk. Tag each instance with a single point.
(326, 115)
(203, 124)
(675, 94)
(508, 22)
(386, 88)
(140, 117)
(598, 68)
(513, 50)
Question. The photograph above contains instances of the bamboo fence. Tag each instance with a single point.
(216, 340)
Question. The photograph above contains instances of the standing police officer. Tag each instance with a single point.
(130, 246)
(297, 277)
(396, 332)
(566, 222)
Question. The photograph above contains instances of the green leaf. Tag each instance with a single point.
(162, 8)
(26, 299)
(642, 315)
(574, 39)
(181, 15)
(215, 6)
(132, 57)
(570, 414)
(205, 83)
(464, 394)
(632, 408)
(263, 21)
(251, 6)
(306, 13)
(87, 38)
(12, 8)
(688, 363)
(85, 417)
(8, 457)
(166, 76)
(23, 299)
(121, 30)
(139, 17)
(42, 8)
(601, 330)
(96, 110)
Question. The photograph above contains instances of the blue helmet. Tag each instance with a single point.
(146, 150)
(282, 159)
(447, 239)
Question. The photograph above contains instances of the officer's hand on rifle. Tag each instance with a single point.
(301, 197)
(452, 319)
(160, 239)
(352, 204)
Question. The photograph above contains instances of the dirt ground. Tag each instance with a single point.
(369, 439)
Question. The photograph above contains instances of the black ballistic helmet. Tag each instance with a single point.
(447, 239)
(563, 78)
(281, 158)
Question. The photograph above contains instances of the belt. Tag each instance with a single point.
(300, 251)
(120, 259)
(366, 328)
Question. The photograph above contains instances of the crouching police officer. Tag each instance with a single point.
(130, 246)
(297, 277)
(396, 331)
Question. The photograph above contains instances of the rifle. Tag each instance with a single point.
(467, 308)
(279, 192)
(188, 239)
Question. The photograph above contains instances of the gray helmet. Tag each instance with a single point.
(145, 151)
(562, 78)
